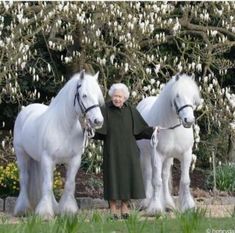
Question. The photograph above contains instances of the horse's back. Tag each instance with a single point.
(145, 105)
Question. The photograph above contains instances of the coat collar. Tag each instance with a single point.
(110, 104)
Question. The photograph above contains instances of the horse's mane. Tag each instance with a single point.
(182, 85)
(69, 90)
(62, 105)
(64, 91)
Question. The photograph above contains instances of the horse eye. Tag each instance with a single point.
(84, 96)
(177, 96)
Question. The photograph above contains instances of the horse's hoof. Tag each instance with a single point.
(144, 204)
(153, 211)
(170, 207)
(45, 214)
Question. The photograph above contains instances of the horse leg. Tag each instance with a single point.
(45, 206)
(68, 204)
(166, 176)
(22, 204)
(185, 198)
(147, 177)
(155, 205)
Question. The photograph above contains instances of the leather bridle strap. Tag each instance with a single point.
(182, 107)
(81, 105)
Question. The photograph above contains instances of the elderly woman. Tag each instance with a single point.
(123, 125)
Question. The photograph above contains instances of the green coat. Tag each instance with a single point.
(121, 163)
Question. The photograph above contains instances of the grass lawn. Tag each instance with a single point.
(190, 222)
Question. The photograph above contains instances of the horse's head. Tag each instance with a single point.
(88, 99)
(186, 98)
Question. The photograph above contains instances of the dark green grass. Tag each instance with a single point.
(100, 223)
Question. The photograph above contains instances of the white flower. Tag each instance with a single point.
(112, 58)
(152, 81)
(134, 94)
(49, 67)
(179, 67)
(23, 64)
(210, 160)
(89, 154)
(157, 68)
(3, 144)
(205, 79)
(145, 88)
(148, 70)
(126, 67)
(197, 139)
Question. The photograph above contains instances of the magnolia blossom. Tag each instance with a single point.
(134, 94)
(157, 68)
(152, 81)
(3, 144)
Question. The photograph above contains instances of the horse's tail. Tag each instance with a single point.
(35, 178)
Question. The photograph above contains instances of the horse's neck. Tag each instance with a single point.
(63, 115)
(162, 114)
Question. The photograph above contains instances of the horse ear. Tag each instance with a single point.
(82, 75)
(193, 77)
(97, 75)
(177, 77)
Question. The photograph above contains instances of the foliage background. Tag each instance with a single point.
(139, 43)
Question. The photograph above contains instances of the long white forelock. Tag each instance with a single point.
(192, 88)
(119, 86)
(95, 88)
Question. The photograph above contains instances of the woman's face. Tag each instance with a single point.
(118, 98)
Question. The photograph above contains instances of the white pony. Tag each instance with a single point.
(173, 112)
(48, 135)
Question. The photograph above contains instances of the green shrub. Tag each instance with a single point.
(224, 178)
(9, 181)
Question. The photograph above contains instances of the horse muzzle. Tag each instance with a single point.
(96, 124)
(187, 123)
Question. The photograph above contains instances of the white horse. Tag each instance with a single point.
(173, 112)
(48, 135)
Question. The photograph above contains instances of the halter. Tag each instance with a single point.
(178, 111)
(87, 130)
(81, 105)
(182, 107)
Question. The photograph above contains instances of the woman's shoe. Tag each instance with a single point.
(114, 217)
(125, 216)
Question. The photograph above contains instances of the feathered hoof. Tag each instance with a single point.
(69, 212)
(45, 215)
(170, 206)
(144, 204)
(45, 211)
(154, 209)
(22, 208)
(68, 207)
(190, 205)
(18, 213)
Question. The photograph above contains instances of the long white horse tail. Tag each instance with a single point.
(34, 187)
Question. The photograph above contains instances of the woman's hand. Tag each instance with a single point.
(154, 138)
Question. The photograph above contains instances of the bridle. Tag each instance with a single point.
(81, 104)
(88, 131)
(178, 109)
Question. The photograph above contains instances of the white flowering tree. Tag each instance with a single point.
(139, 43)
